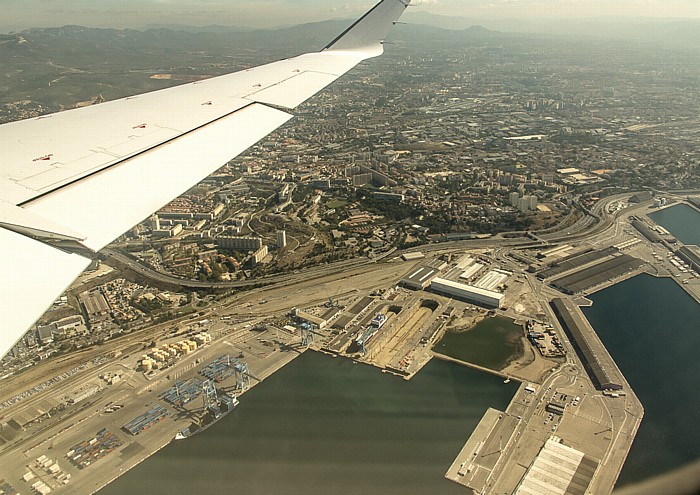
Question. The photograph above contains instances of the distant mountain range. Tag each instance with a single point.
(422, 25)
(600, 27)
(311, 36)
(213, 28)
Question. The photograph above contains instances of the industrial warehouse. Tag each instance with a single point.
(421, 276)
(575, 261)
(467, 293)
(462, 280)
(583, 271)
(691, 255)
(574, 472)
(572, 322)
(586, 279)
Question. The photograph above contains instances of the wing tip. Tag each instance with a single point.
(368, 32)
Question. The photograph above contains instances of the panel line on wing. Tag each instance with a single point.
(130, 157)
(104, 206)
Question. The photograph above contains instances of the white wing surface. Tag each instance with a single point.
(72, 182)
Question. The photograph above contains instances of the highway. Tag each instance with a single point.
(119, 260)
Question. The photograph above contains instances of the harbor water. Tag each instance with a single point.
(682, 221)
(491, 343)
(651, 327)
(327, 426)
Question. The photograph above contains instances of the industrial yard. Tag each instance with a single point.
(110, 413)
(391, 327)
(138, 415)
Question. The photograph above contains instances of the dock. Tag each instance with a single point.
(497, 373)
(569, 407)
(478, 461)
(466, 468)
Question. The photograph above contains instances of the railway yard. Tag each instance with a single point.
(564, 407)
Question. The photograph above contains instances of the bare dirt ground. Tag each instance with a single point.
(531, 366)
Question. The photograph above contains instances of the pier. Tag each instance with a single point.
(568, 408)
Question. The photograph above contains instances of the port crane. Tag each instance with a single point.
(210, 399)
(333, 300)
(242, 373)
(242, 376)
(307, 334)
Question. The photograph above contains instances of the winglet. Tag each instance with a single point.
(368, 33)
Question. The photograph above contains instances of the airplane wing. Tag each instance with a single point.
(72, 182)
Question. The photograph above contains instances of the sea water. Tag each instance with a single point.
(327, 426)
(651, 327)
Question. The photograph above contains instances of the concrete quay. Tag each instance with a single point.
(496, 457)
(476, 463)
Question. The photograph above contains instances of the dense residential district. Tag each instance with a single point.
(477, 175)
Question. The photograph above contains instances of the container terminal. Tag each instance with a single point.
(573, 404)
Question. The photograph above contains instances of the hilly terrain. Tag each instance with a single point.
(51, 69)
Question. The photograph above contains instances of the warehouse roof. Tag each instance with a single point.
(468, 288)
(558, 470)
(419, 277)
(591, 362)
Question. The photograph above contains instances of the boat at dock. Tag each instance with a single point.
(375, 325)
(227, 405)
(378, 321)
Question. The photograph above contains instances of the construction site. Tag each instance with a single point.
(389, 332)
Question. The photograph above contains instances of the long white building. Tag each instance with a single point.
(239, 243)
(471, 270)
(467, 293)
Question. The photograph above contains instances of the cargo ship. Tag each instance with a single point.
(375, 325)
(228, 404)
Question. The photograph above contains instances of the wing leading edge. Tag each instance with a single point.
(88, 175)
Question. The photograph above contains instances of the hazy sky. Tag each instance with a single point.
(21, 14)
